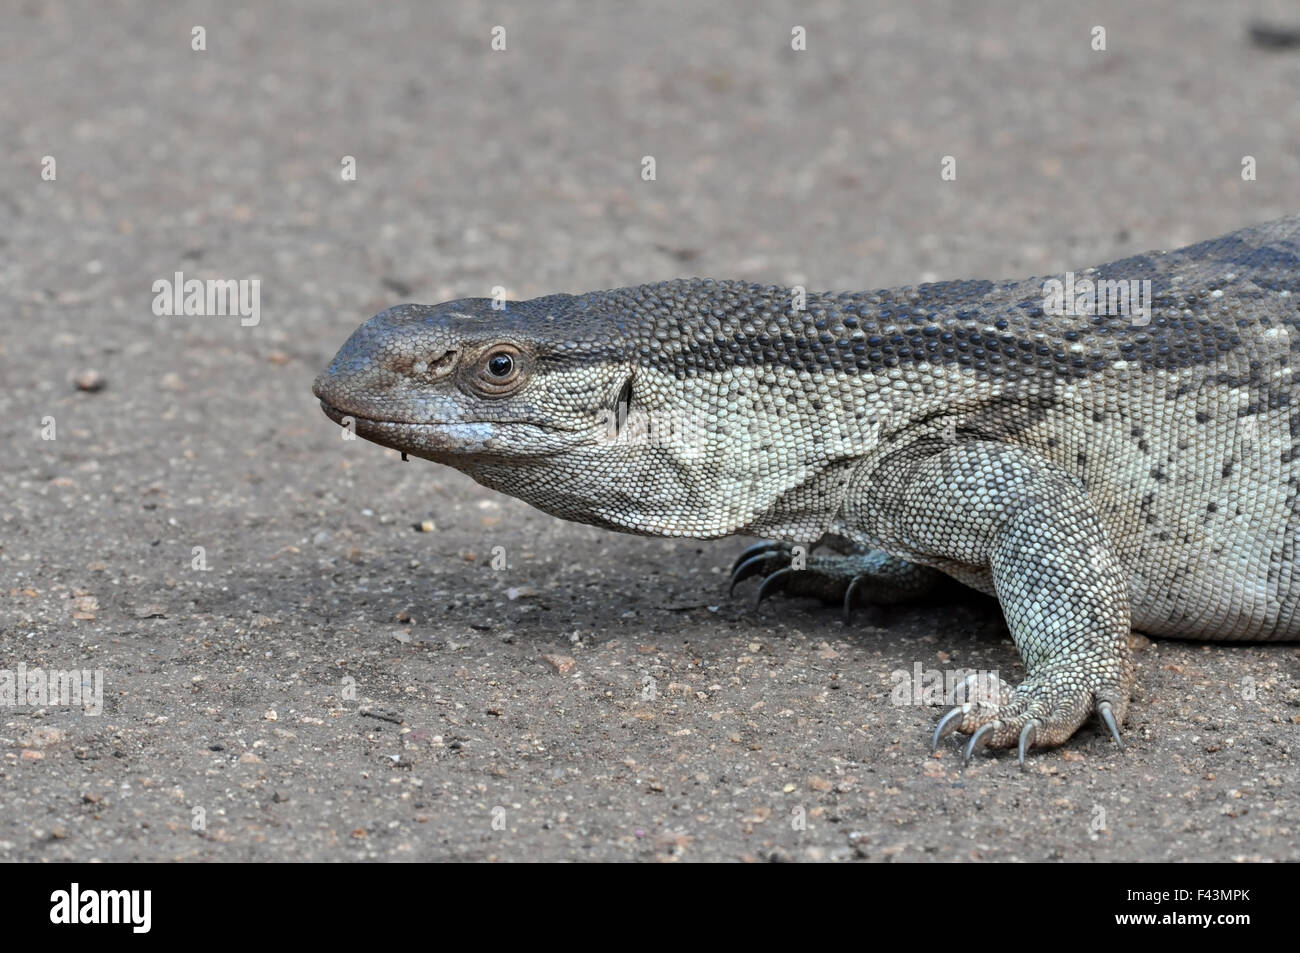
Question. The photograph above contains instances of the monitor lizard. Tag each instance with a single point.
(1103, 451)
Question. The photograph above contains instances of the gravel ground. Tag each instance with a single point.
(309, 650)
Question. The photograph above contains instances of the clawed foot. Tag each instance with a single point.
(846, 579)
(1043, 711)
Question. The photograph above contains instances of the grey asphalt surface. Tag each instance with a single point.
(337, 685)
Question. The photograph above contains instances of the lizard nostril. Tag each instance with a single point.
(426, 367)
(442, 364)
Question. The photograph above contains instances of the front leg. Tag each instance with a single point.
(993, 512)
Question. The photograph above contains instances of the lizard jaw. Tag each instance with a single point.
(460, 443)
(432, 441)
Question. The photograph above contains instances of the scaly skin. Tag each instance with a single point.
(1095, 473)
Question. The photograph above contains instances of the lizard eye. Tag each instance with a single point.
(500, 371)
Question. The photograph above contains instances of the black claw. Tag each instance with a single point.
(977, 740)
(1107, 716)
(848, 597)
(947, 725)
(750, 567)
(1028, 734)
(773, 583)
(757, 549)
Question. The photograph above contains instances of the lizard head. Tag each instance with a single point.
(636, 409)
(463, 382)
(531, 398)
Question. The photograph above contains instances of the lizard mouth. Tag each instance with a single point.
(362, 422)
(441, 441)
(338, 415)
(375, 428)
(421, 439)
(359, 422)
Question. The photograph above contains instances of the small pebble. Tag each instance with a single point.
(90, 381)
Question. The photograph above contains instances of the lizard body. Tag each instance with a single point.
(1096, 472)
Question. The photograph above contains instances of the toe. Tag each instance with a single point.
(774, 583)
(767, 547)
(1043, 711)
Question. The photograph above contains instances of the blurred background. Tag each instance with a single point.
(522, 167)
